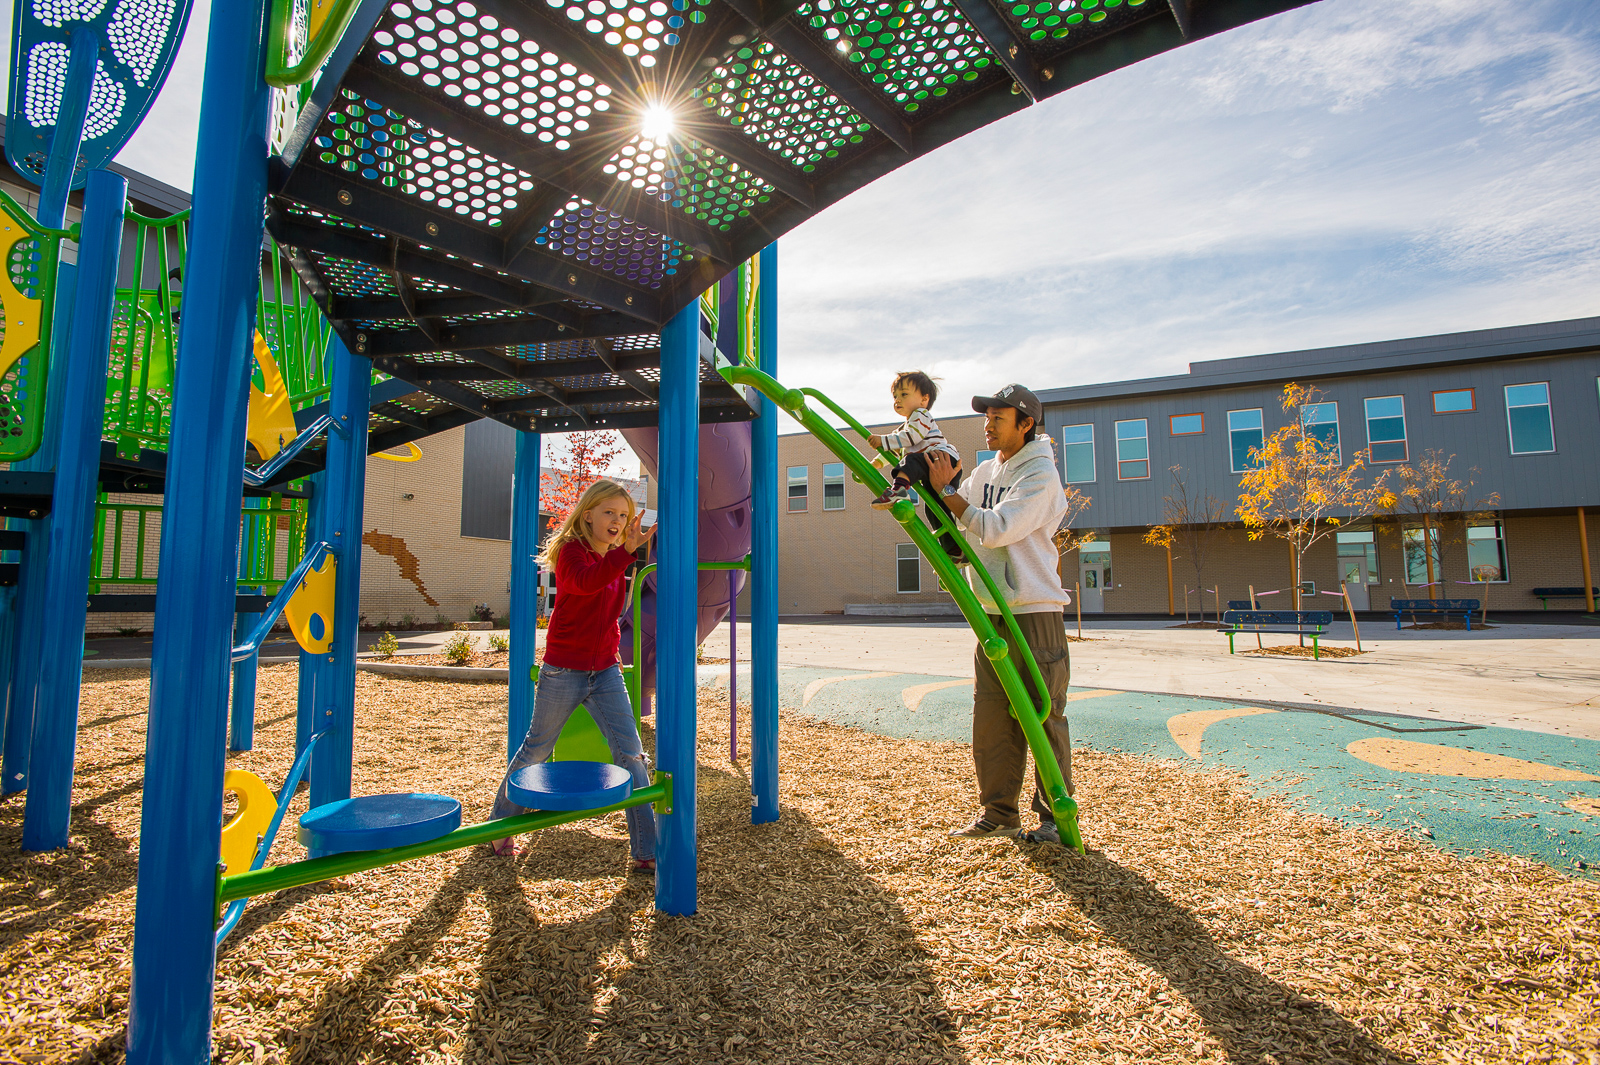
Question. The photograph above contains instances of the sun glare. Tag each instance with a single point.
(657, 123)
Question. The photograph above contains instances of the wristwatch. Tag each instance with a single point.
(947, 491)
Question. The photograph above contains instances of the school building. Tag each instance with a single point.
(1515, 411)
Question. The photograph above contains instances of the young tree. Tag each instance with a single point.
(580, 459)
(1066, 540)
(1192, 521)
(1426, 493)
(1300, 490)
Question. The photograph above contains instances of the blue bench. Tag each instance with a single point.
(1312, 623)
(1544, 595)
(1445, 608)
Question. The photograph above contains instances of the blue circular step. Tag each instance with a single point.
(376, 822)
(569, 785)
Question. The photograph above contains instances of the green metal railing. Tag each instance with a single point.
(128, 535)
(631, 674)
(1029, 714)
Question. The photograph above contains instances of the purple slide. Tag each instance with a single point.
(724, 531)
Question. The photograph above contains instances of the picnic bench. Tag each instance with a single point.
(1444, 608)
(1544, 595)
(1312, 623)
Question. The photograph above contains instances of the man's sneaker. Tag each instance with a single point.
(890, 496)
(982, 828)
(1047, 832)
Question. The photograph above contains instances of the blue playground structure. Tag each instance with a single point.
(560, 217)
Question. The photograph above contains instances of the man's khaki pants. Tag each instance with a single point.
(999, 747)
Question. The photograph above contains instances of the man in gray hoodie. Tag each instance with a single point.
(1009, 508)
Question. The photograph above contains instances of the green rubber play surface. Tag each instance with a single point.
(1465, 787)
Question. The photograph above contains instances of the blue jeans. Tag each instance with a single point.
(603, 693)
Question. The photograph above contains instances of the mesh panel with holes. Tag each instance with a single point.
(690, 176)
(613, 243)
(1072, 21)
(471, 57)
(363, 138)
(352, 279)
(764, 94)
(915, 52)
(30, 267)
(637, 29)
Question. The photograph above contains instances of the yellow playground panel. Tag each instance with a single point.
(310, 610)
(243, 832)
(271, 420)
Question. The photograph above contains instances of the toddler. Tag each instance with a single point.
(914, 393)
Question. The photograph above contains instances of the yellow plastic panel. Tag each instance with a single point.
(310, 610)
(271, 421)
(23, 315)
(241, 835)
(414, 453)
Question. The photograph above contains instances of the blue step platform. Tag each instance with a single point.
(376, 822)
(569, 785)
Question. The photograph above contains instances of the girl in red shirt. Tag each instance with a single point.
(589, 553)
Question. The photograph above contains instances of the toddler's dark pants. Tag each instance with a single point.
(914, 468)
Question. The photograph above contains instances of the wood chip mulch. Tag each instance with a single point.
(1296, 651)
(1206, 924)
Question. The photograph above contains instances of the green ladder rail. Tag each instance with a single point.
(1029, 714)
(631, 674)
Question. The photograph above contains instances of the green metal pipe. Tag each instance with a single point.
(631, 676)
(1023, 708)
(313, 870)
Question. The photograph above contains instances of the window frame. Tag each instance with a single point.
(900, 559)
(1550, 415)
(1505, 554)
(1405, 431)
(1116, 434)
(1193, 414)
(805, 495)
(1261, 429)
(1429, 536)
(831, 479)
(1337, 453)
(1094, 466)
(1473, 392)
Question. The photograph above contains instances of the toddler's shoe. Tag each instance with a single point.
(890, 496)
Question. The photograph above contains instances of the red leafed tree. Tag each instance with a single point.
(579, 460)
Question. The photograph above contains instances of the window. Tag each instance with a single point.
(1321, 421)
(1077, 448)
(1486, 552)
(908, 568)
(1386, 428)
(833, 486)
(984, 456)
(1133, 449)
(1187, 424)
(1455, 401)
(797, 489)
(1244, 438)
(1416, 561)
(1357, 549)
(1528, 419)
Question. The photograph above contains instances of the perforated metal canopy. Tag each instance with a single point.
(503, 201)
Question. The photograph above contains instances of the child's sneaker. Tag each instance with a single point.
(890, 496)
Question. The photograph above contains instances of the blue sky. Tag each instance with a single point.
(1355, 170)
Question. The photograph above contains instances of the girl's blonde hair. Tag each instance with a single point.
(572, 527)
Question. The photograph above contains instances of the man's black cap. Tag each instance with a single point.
(1015, 396)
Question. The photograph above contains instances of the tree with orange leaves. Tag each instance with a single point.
(579, 459)
(1300, 490)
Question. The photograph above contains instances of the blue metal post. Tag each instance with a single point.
(344, 493)
(524, 615)
(764, 561)
(83, 372)
(62, 165)
(174, 945)
(677, 596)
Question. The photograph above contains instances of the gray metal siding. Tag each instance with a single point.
(1568, 477)
(487, 468)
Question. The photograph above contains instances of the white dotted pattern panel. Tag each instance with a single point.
(637, 29)
(137, 32)
(57, 13)
(47, 77)
(470, 57)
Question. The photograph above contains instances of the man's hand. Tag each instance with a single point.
(874, 441)
(637, 537)
(941, 471)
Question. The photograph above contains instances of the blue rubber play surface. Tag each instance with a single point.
(1466, 788)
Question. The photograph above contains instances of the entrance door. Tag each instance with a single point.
(1354, 573)
(1094, 576)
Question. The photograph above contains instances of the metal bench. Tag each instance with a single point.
(1544, 595)
(1444, 608)
(1312, 623)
